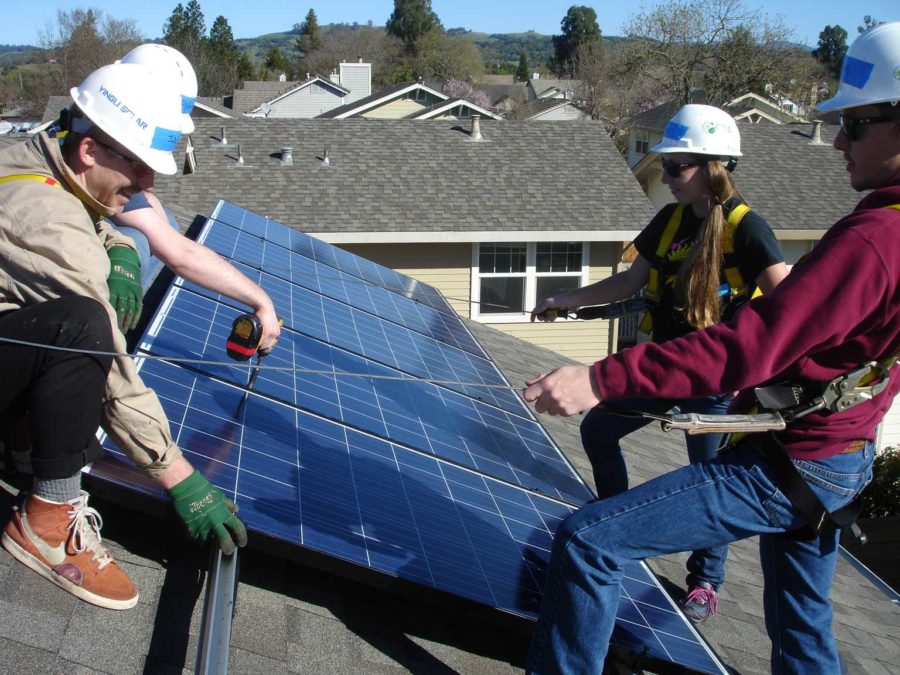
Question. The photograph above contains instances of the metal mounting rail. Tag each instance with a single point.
(218, 611)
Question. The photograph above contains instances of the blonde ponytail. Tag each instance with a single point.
(698, 277)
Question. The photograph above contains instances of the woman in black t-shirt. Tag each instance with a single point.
(698, 260)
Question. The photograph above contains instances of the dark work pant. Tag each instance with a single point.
(59, 391)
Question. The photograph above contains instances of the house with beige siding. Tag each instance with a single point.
(495, 223)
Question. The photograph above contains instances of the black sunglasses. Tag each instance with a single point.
(674, 169)
(852, 126)
(133, 162)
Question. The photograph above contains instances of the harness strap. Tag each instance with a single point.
(31, 176)
(733, 274)
(801, 496)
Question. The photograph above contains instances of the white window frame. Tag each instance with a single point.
(530, 276)
(641, 139)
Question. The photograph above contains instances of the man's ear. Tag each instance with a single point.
(86, 151)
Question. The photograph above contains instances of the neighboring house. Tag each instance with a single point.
(208, 106)
(754, 108)
(318, 94)
(453, 109)
(496, 224)
(504, 97)
(395, 102)
(253, 93)
(550, 88)
(547, 109)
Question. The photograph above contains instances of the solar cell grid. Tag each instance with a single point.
(424, 416)
(334, 257)
(321, 485)
(442, 485)
(251, 255)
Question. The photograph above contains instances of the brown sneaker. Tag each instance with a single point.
(62, 543)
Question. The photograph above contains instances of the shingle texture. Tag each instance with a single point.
(415, 176)
(796, 184)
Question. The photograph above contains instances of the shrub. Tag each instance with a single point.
(882, 496)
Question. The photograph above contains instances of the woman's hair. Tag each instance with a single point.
(698, 277)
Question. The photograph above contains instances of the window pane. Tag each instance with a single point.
(501, 258)
(558, 256)
(502, 295)
(547, 286)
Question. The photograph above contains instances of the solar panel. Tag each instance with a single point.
(344, 447)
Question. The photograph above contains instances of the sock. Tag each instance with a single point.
(58, 490)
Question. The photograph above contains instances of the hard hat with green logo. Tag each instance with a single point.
(701, 130)
(137, 108)
(871, 70)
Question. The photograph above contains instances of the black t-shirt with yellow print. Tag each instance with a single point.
(755, 249)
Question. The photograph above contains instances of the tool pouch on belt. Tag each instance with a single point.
(791, 482)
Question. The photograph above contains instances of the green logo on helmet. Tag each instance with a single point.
(710, 127)
(897, 73)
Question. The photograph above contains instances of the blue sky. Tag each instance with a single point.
(249, 19)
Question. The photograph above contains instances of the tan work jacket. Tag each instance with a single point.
(53, 243)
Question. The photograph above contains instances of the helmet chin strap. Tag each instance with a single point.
(730, 164)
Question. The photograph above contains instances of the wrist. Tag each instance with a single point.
(175, 473)
(187, 486)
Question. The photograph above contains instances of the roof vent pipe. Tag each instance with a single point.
(325, 160)
(817, 133)
(287, 155)
(475, 134)
(223, 141)
(240, 158)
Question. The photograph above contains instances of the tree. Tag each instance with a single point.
(80, 42)
(385, 52)
(220, 71)
(184, 30)
(462, 89)
(275, 64)
(445, 57)
(522, 72)
(579, 27)
(310, 35)
(869, 22)
(410, 20)
(832, 48)
(684, 44)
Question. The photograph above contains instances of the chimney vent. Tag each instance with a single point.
(287, 155)
(475, 134)
(325, 160)
(223, 141)
(240, 157)
(817, 134)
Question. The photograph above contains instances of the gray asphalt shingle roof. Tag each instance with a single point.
(416, 176)
(290, 618)
(796, 184)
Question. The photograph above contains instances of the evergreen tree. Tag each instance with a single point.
(310, 38)
(522, 72)
(411, 20)
(276, 63)
(185, 30)
(579, 29)
(832, 48)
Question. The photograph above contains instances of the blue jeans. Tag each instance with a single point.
(701, 505)
(601, 432)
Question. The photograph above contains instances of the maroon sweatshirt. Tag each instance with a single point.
(838, 308)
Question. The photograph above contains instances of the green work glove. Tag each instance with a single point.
(125, 293)
(205, 511)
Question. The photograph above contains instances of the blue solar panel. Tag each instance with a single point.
(348, 452)
(318, 250)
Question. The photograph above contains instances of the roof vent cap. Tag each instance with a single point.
(287, 155)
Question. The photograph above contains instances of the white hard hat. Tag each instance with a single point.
(135, 107)
(871, 70)
(170, 63)
(701, 130)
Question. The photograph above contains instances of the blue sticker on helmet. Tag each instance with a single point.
(187, 104)
(675, 131)
(165, 139)
(855, 72)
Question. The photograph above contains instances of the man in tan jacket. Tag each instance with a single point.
(54, 194)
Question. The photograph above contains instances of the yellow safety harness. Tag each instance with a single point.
(31, 176)
(737, 286)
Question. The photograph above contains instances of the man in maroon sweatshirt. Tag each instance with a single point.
(838, 309)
